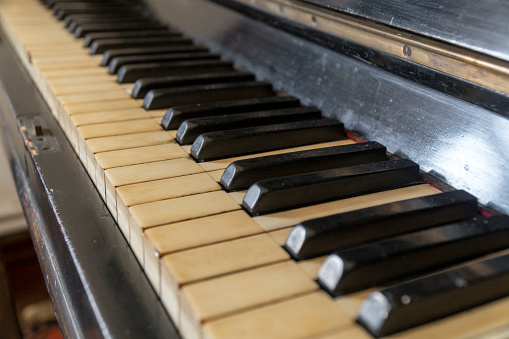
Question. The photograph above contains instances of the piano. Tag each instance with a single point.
(154, 215)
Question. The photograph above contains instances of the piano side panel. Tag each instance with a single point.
(456, 141)
(97, 287)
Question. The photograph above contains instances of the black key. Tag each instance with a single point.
(190, 129)
(320, 236)
(101, 45)
(241, 174)
(170, 97)
(177, 115)
(112, 53)
(216, 145)
(131, 73)
(93, 8)
(377, 263)
(133, 18)
(84, 29)
(98, 17)
(419, 301)
(90, 38)
(118, 62)
(143, 86)
(310, 188)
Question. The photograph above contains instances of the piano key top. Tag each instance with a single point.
(112, 53)
(170, 97)
(419, 301)
(190, 129)
(177, 115)
(320, 236)
(131, 73)
(91, 37)
(118, 62)
(377, 263)
(240, 141)
(303, 189)
(244, 173)
(143, 86)
(101, 45)
(81, 18)
(82, 30)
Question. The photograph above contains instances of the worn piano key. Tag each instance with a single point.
(190, 129)
(143, 86)
(131, 73)
(118, 62)
(91, 37)
(177, 115)
(320, 236)
(112, 53)
(101, 45)
(244, 173)
(170, 97)
(382, 261)
(306, 316)
(303, 189)
(234, 293)
(84, 29)
(419, 301)
(240, 141)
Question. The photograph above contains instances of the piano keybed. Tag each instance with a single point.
(220, 273)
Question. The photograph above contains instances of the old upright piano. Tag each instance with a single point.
(263, 168)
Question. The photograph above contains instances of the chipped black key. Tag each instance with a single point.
(226, 144)
(241, 174)
(101, 45)
(190, 129)
(112, 53)
(143, 86)
(304, 189)
(131, 73)
(82, 30)
(377, 263)
(422, 300)
(177, 115)
(118, 62)
(320, 236)
(91, 37)
(169, 97)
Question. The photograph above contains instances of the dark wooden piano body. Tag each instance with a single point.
(455, 129)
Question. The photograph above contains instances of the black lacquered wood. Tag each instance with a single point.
(177, 115)
(241, 174)
(293, 191)
(226, 144)
(112, 53)
(91, 37)
(84, 29)
(321, 236)
(131, 73)
(377, 263)
(101, 45)
(169, 97)
(419, 301)
(118, 62)
(143, 86)
(190, 129)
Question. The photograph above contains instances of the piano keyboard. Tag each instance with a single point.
(219, 271)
